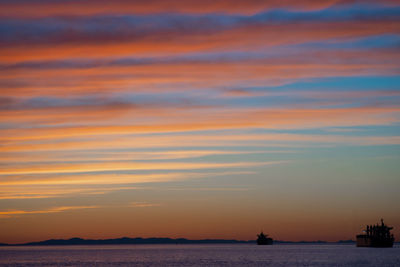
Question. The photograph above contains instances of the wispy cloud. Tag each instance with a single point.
(107, 179)
(34, 189)
(125, 156)
(123, 166)
(23, 8)
(12, 213)
(175, 34)
(192, 119)
(143, 205)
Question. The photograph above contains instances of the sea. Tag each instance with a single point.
(200, 255)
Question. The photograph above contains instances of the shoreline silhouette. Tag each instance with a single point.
(158, 240)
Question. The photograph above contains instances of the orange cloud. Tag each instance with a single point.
(67, 114)
(79, 8)
(184, 120)
(10, 213)
(143, 205)
(122, 155)
(27, 188)
(261, 140)
(123, 166)
(15, 185)
(26, 82)
(241, 38)
(189, 81)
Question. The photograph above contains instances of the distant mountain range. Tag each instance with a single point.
(155, 240)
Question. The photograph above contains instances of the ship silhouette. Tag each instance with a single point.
(264, 239)
(377, 236)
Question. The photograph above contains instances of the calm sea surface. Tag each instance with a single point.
(200, 255)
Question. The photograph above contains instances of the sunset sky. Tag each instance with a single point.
(198, 119)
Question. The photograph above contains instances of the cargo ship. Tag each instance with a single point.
(377, 236)
(264, 239)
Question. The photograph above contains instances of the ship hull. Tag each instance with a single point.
(268, 241)
(367, 241)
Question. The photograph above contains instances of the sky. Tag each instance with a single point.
(198, 119)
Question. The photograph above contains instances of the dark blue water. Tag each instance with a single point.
(200, 255)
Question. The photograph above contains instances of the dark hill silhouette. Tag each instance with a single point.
(157, 240)
(127, 241)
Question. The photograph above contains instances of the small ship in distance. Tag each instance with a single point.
(264, 239)
(377, 236)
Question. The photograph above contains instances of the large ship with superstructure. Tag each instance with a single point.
(377, 236)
